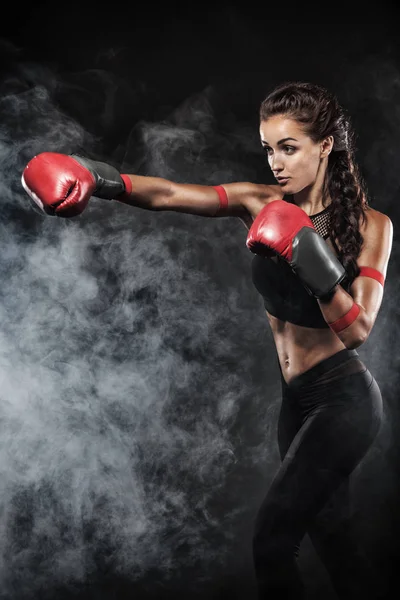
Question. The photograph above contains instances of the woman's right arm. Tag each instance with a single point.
(62, 185)
(155, 193)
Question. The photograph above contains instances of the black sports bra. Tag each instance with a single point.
(284, 295)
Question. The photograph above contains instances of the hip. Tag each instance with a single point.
(341, 381)
(337, 401)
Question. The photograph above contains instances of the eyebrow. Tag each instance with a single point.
(280, 141)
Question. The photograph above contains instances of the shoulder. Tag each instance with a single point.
(375, 225)
(377, 232)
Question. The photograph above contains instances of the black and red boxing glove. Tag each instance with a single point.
(62, 185)
(286, 230)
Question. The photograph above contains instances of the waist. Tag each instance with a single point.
(324, 368)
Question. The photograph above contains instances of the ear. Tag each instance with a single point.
(326, 146)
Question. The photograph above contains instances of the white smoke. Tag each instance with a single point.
(122, 378)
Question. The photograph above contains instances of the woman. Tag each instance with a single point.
(320, 262)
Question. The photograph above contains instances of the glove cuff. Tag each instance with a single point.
(108, 181)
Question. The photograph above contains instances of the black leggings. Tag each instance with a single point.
(329, 417)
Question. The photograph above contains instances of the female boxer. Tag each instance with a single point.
(320, 261)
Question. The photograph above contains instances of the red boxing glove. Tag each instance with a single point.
(285, 229)
(62, 185)
(275, 228)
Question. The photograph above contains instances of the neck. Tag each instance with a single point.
(310, 198)
(310, 201)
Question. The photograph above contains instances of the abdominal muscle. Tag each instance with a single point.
(300, 348)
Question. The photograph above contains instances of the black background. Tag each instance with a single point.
(172, 91)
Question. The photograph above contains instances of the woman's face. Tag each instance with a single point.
(292, 155)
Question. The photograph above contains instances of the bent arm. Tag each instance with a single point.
(366, 293)
(156, 193)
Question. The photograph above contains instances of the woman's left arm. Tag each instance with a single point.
(352, 316)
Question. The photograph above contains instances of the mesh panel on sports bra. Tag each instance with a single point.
(321, 222)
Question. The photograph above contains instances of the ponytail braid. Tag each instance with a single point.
(349, 202)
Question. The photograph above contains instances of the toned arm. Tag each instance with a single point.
(365, 291)
(156, 193)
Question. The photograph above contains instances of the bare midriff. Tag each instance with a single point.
(300, 348)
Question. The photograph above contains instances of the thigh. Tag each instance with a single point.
(334, 422)
(301, 485)
(289, 423)
(334, 520)
(321, 456)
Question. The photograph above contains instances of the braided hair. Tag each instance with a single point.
(321, 115)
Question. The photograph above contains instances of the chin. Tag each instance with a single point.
(287, 189)
(291, 190)
(305, 187)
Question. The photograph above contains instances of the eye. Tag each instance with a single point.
(290, 149)
(267, 149)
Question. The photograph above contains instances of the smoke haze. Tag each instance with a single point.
(138, 379)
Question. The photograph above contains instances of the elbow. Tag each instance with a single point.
(164, 196)
(358, 333)
(354, 343)
(356, 340)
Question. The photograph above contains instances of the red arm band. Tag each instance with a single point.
(353, 313)
(346, 320)
(223, 198)
(374, 273)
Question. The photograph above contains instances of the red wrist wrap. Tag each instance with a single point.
(128, 185)
(346, 320)
(223, 198)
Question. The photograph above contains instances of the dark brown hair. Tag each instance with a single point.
(321, 115)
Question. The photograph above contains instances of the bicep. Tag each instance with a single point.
(203, 200)
(239, 199)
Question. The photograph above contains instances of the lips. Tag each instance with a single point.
(282, 179)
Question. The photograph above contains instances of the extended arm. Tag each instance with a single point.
(62, 185)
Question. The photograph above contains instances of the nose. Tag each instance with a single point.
(276, 164)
